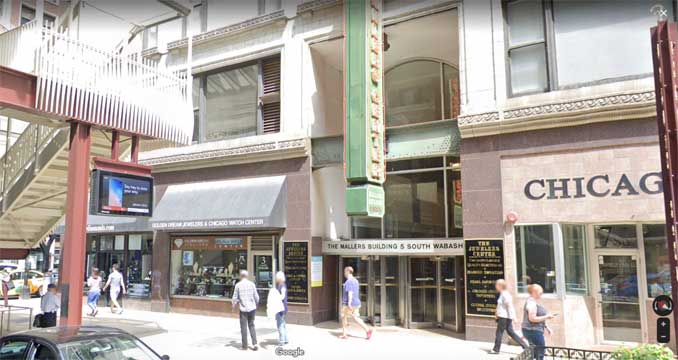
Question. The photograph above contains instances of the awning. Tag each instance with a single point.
(111, 224)
(257, 203)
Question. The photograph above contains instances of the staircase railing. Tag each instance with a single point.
(25, 150)
(78, 81)
(553, 353)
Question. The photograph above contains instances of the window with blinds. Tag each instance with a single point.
(270, 95)
(261, 243)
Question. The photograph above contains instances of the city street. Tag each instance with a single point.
(192, 337)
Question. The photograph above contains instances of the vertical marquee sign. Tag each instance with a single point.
(364, 137)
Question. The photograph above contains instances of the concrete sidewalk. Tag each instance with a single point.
(193, 337)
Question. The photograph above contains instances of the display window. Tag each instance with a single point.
(206, 266)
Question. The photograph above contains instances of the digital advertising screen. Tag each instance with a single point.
(121, 194)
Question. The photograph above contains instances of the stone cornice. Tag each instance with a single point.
(192, 157)
(622, 106)
(317, 5)
(229, 30)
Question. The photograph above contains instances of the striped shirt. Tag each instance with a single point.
(246, 295)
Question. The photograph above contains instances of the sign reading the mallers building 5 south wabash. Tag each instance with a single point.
(365, 168)
(484, 266)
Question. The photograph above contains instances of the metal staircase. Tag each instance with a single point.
(33, 183)
(49, 79)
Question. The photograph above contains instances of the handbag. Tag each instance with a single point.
(37, 321)
(10, 285)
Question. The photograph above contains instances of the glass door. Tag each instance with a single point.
(618, 298)
(448, 293)
(391, 300)
(263, 279)
(423, 304)
(360, 272)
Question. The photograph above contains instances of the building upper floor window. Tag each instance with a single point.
(421, 91)
(28, 14)
(556, 44)
(237, 101)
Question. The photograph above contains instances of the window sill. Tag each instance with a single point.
(203, 298)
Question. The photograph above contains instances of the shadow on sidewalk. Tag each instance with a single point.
(137, 328)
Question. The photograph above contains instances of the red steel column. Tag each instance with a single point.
(74, 243)
(664, 41)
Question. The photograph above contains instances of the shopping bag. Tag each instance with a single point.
(274, 303)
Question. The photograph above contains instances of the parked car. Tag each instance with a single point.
(76, 343)
(35, 280)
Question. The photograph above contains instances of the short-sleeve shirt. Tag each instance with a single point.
(116, 279)
(94, 284)
(351, 285)
(505, 307)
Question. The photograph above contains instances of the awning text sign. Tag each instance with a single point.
(395, 246)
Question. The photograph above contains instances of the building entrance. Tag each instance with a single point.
(416, 292)
(435, 293)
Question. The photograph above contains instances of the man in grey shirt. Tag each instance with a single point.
(245, 294)
(49, 304)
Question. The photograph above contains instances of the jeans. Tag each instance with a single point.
(247, 321)
(536, 339)
(506, 325)
(282, 329)
(93, 299)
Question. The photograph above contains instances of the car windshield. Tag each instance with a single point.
(119, 347)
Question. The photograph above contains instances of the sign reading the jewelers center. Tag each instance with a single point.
(295, 262)
(484, 266)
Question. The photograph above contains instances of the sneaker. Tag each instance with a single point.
(120, 311)
(369, 334)
(493, 352)
(255, 347)
(95, 312)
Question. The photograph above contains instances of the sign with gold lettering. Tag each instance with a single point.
(295, 262)
(484, 265)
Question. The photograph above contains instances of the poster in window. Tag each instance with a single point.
(484, 266)
(456, 199)
(187, 258)
(295, 260)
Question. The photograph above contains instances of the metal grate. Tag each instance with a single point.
(261, 243)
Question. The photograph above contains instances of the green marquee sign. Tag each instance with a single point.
(365, 167)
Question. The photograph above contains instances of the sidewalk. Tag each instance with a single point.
(193, 337)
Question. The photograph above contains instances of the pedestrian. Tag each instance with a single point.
(46, 280)
(245, 295)
(49, 304)
(351, 304)
(6, 286)
(281, 287)
(534, 320)
(117, 285)
(505, 314)
(94, 292)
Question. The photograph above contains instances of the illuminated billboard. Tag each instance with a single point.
(121, 194)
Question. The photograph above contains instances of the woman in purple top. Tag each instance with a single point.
(280, 317)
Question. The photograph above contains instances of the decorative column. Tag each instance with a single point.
(364, 127)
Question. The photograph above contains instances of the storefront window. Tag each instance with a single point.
(574, 249)
(454, 212)
(657, 260)
(616, 236)
(415, 205)
(535, 257)
(132, 252)
(206, 266)
(421, 91)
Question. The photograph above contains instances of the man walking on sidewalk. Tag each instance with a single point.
(117, 285)
(351, 304)
(245, 294)
(505, 315)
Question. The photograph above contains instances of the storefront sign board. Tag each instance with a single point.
(208, 243)
(395, 247)
(365, 200)
(295, 266)
(484, 266)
